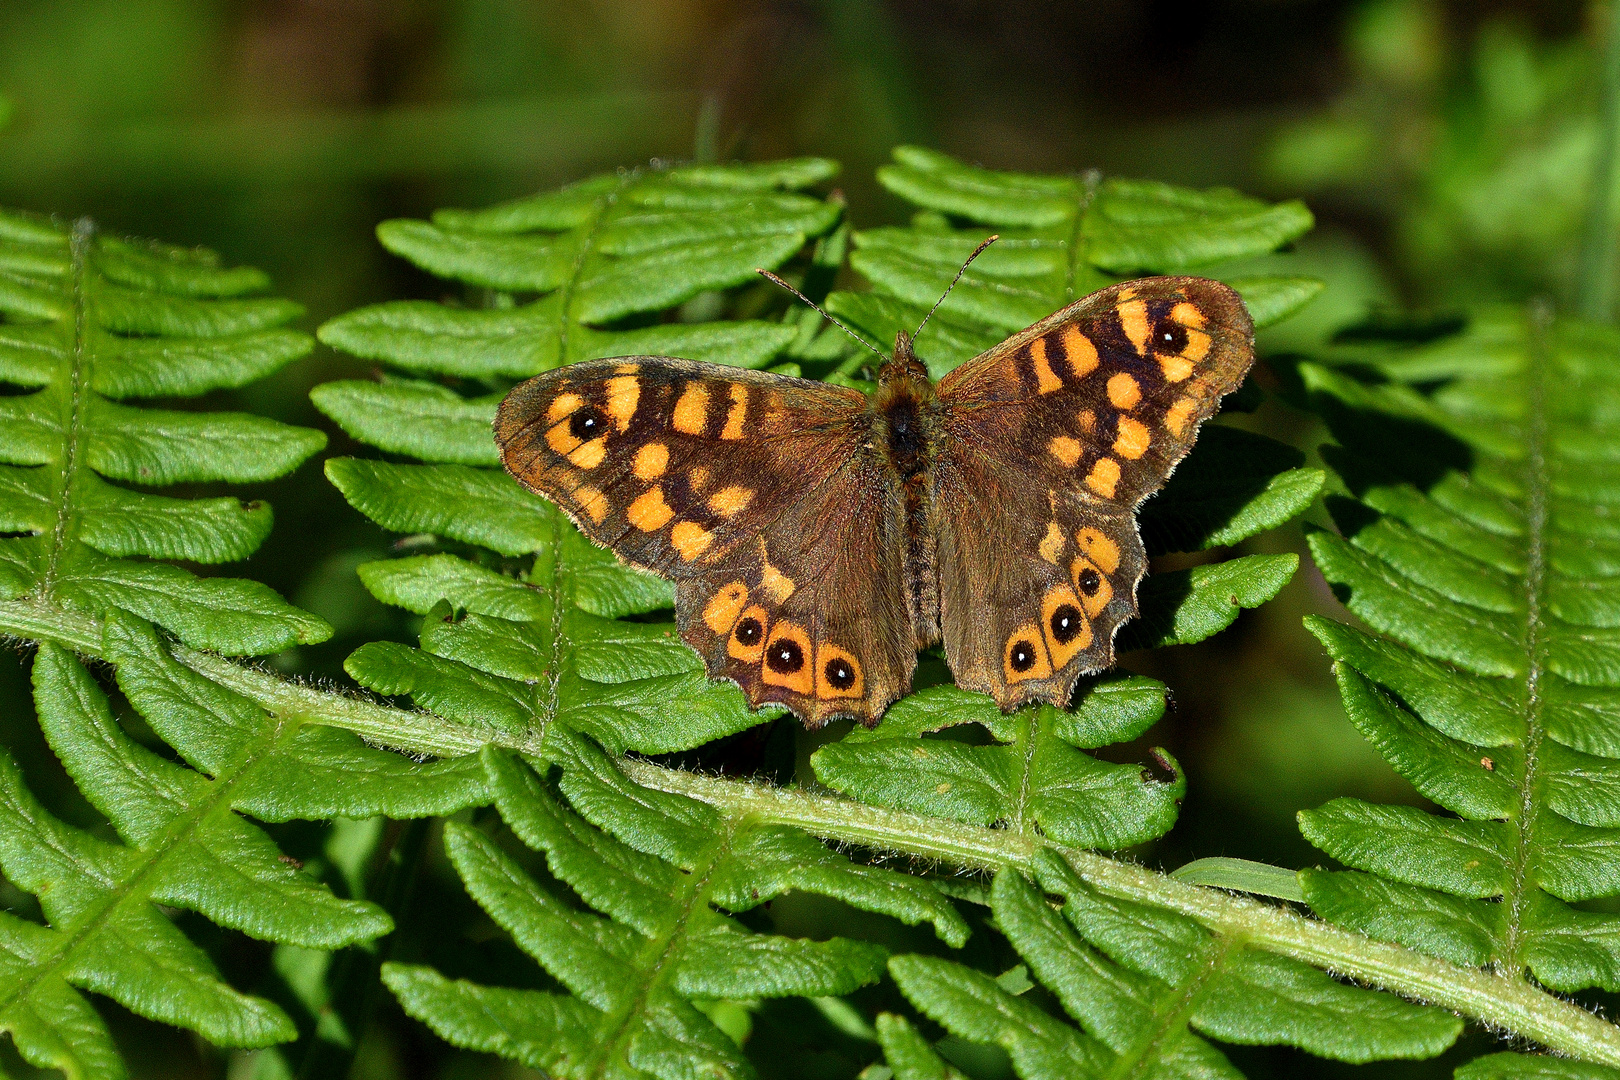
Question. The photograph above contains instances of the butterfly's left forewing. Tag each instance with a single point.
(1052, 439)
(755, 493)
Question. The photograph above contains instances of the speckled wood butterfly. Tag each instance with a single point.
(818, 537)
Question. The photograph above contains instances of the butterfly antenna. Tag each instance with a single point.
(772, 277)
(992, 238)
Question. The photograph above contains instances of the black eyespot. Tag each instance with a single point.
(785, 657)
(748, 631)
(1065, 623)
(1171, 337)
(839, 674)
(1090, 581)
(1023, 656)
(585, 424)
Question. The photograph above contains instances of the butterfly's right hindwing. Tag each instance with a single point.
(755, 493)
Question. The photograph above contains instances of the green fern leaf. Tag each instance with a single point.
(666, 873)
(1480, 546)
(1149, 988)
(184, 845)
(1528, 1067)
(89, 322)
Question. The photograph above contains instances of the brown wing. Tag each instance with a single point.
(759, 495)
(1052, 439)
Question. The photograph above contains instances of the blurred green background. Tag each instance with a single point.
(1445, 148)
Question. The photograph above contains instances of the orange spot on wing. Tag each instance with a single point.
(737, 413)
(624, 393)
(690, 539)
(1124, 391)
(1082, 353)
(720, 613)
(1178, 415)
(1066, 629)
(1188, 315)
(1175, 368)
(835, 666)
(1133, 439)
(563, 405)
(627, 369)
(592, 502)
(698, 478)
(1024, 656)
(560, 438)
(747, 642)
(1051, 547)
(589, 455)
(1065, 449)
(1198, 344)
(650, 512)
(731, 501)
(1046, 379)
(1094, 587)
(1133, 317)
(1088, 421)
(773, 581)
(692, 410)
(651, 460)
(789, 659)
(1101, 549)
(1103, 477)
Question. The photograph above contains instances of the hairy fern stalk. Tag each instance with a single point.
(545, 671)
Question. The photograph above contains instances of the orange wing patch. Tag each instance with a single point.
(1025, 655)
(787, 658)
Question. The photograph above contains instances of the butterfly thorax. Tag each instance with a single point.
(909, 429)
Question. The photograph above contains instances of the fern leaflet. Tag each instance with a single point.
(669, 873)
(1480, 544)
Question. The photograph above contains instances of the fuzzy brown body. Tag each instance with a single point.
(819, 537)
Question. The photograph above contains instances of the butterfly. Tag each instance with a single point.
(818, 537)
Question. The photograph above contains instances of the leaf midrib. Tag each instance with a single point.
(78, 359)
(668, 951)
(1182, 1001)
(1537, 486)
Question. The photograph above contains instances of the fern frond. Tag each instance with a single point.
(1481, 545)
(668, 875)
(184, 844)
(1149, 987)
(91, 322)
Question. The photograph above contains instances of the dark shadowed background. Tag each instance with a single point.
(1443, 147)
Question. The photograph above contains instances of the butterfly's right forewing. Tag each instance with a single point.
(757, 494)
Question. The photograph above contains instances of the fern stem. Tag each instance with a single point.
(1594, 296)
(1508, 1004)
(1500, 1002)
(84, 231)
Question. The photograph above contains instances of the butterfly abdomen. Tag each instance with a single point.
(909, 430)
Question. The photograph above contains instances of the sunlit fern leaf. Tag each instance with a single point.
(88, 323)
(911, 1056)
(183, 842)
(1061, 238)
(1480, 539)
(1148, 990)
(514, 653)
(596, 252)
(1032, 779)
(667, 875)
(1533, 1067)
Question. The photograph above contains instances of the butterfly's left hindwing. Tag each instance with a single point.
(756, 494)
(1051, 440)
